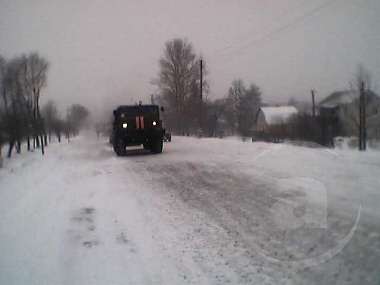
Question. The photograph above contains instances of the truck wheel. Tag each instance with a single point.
(157, 146)
(146, 146)
(120, 148)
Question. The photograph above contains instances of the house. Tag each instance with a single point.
(339, 114)
(271, 122)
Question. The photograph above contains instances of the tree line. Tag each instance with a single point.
(22, 118)
(184, 93)
(183, 90)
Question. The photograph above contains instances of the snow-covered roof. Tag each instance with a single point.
(338, 98)
(274, 115)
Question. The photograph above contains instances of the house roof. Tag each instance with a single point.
(339, 98)
(275, 115)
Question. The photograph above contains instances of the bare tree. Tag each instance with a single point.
(35, 80)
(51, 119)
(16, 115)
(235, 94)
(22, 81)
(248, 108)
(76, 119)
(178, 78)
(242, 105)
(361, 115)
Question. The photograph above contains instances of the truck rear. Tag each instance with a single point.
(137, 125)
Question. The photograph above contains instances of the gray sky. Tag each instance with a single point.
(105, 52)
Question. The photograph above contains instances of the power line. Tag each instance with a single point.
(270, 36)
(273, 22)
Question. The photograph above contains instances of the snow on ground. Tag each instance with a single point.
(203, 212)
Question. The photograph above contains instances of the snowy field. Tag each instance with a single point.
(206, 211)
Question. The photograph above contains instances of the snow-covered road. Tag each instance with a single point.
(200, 213)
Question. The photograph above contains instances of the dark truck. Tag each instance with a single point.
(135, 125)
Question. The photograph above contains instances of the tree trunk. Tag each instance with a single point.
(11, 144)
(18, 146)
(28, 143)
(45, 140)
(42, 145)
(37, 140)
(59, 137)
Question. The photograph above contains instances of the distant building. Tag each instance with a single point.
(339, 114)
(271, 122)
(270, 116)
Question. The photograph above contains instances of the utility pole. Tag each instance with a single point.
(362, 120)
(201, 95)
(152, 99)
(68, 126)
(313, 101)
(201, 78)
(313, 122)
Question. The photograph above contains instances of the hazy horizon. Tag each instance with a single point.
(103, 54)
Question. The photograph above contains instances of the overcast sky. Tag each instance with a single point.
(104, 52)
